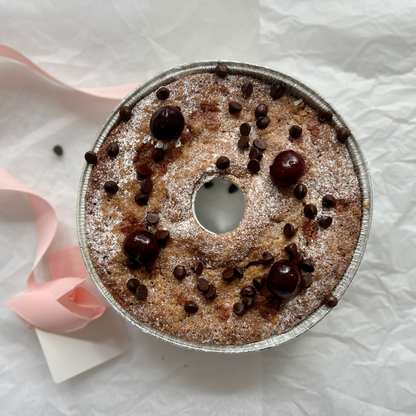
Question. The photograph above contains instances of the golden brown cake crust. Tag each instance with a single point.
(210, 132)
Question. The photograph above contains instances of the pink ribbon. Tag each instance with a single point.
(70, 300)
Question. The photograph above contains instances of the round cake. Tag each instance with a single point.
(296, 239)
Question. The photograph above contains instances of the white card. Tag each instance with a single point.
(72, 353)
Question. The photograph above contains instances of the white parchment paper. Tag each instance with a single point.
(361, 56)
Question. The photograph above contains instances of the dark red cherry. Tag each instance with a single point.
(141, 246)
(284, 279)
(287, 168)
(167, 123)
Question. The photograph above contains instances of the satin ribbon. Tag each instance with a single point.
(70, 300)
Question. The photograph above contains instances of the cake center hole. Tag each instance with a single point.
(219, 205)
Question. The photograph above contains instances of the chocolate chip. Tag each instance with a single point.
(132, 264)
(247, 89)
(261, 110)
(248, 291)
(267, 258)
(232, 188)
(243, 142)
(310, 211)
(324, 115)
(329, 201)
(199, 268)
(146, 186)
(238, 272)
(239, 308)
(253, 166)
(298, 258)
(325, 222)
(162, 236)
(234, 107)
(260, 144)
(259, 282)
(211, 292)
(143, 171)
(330, 300)
(342, 134)
(203, 285)
(141, 199)
(289, 230)
(208, 185)
(152, 218)
(228, 274)
(255, 154)
(292, 249)
(111, 187)
(223, 162)
(179, 272)
(58, 150)
(162, 93)
(221, 70)
(262, 122)
(112, 149)
(191, 307)
(91, 158)
(125, 113)
(158, 154)
(248, 302)
(245, 129)
(306, 280)
(276, 92)
(307, 265)
(295, 131)
(142, 292)
(132, 285)
(300, 191)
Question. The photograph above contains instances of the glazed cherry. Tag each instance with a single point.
(287, 168)
(141, 246)
(284, 279)
(167, 123)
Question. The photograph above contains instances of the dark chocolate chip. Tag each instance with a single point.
(146, 186)
(276, 92)
(162, 93)
(267, 258)
(295, 131)
(292, 249)
(261, 110)
(58, 150)
(248, 291)
(232, 188)
(158, 154)
(243, 142)
(162, 236)
(310, 211)
(91, 158)
(234, 107)
(208, 185)
(239, 308)
(203, 285)
(255, 154)
(262, 122)
(307, 265)
(143, 171)
(245, 129)
(199, 268)
(306, 280)
(254, 166)
(238, 272)
(125, 113)
(342, 134)
(132, 285)
(298, 258)
(221, 70)
(325, 222)
(247, 89)
(324, 115)
(223, 162)
(248, 302)
(142, 292)
(112, 149)
(259, 282)
(179, 272)
(300, 191)
(132, 264)
(330, 300)
(329, 201)
(260, 144)
(191, 307)
(289, 230)
(111, 187)
(141, 199)
(228, 274)
(211, 292)
(152, 218)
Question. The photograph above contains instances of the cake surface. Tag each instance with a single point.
(211, 132)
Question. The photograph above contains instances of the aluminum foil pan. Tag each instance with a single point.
(298, 90)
